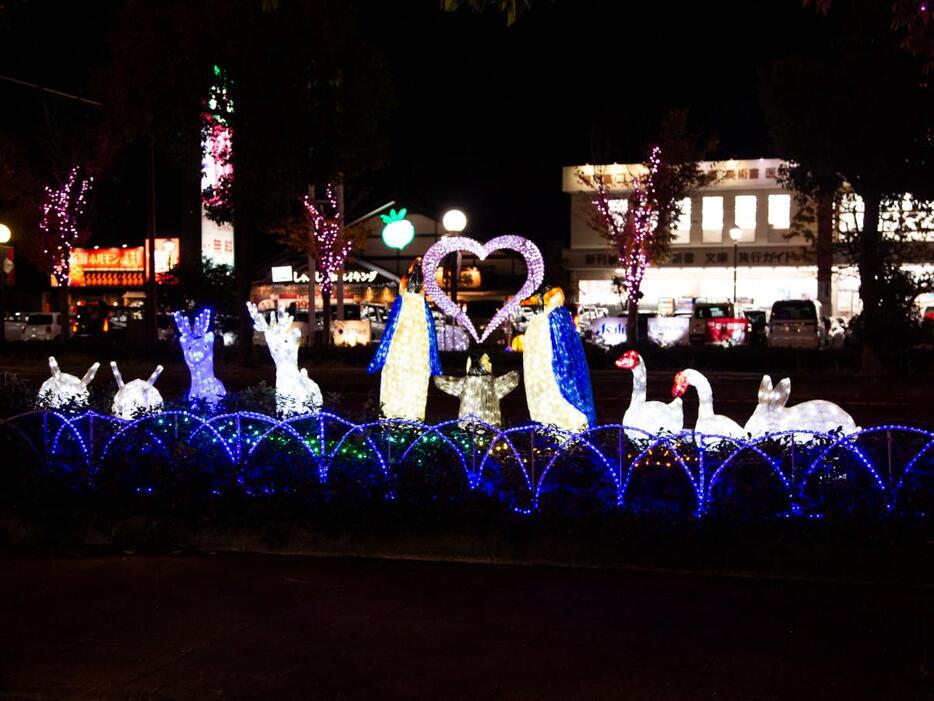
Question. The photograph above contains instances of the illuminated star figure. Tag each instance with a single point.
(197, 344)
(64, 391)
(407, 353)
(557, 380)
(479, 392)
(138, 397)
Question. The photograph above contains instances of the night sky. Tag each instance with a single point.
(487, 114)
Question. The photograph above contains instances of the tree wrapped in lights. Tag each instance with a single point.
(216, 152)
(329, 244)
(639, 226)
(60, 223)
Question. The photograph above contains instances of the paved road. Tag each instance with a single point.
(306, 628)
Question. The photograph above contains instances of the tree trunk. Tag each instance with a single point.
(632, 317)
(243, 276)
(870, 280)
(326, 304)
(312, 321)
(824, 250)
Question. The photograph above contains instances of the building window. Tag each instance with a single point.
(618, 209)
(744, 216)
(780, 211)
(712, 216)
(681, 231)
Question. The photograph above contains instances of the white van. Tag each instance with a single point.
(43, 326)
(796, 323)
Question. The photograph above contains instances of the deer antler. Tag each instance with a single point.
(181, 321)
(203, 322)
(259, 322)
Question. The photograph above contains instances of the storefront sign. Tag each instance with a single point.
(120, 267)
(669, 330)
(609, 330)
(281, 273)
(352, 276)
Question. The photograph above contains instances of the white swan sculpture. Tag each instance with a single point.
(708, 423)
(653, 417)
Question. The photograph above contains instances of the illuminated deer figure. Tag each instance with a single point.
(296, 393)
(62, 390)
(137, 397)
(197, 344)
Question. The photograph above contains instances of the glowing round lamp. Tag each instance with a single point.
(454, 221)
(398, 231)
(736, 233)
(5, 233)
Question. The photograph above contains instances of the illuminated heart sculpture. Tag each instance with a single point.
(450, 244)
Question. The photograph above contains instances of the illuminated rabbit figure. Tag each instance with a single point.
(138, 397)
(708, 422)
(197, 344)
(62, 391)
(479, 392)
(296, 393)
(557, 380)
(407, 354)
(652, 417)
(816, 415)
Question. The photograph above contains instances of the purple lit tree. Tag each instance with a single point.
(60, 223)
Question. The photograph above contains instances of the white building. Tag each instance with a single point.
(771, 264)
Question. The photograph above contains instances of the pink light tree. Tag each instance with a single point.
(59, 225)
(641, 229)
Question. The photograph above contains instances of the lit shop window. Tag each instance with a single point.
(780, 211)
(713, 219)
(850, 214)
(744, 216)
(681, 232)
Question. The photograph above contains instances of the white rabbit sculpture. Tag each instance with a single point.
(138, 397)
(62, 390)
(296, 393)
(816, 415)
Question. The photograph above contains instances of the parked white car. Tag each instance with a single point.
(43, 326)
(796, 323)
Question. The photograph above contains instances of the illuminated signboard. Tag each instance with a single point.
(281, 273)
(120, 267)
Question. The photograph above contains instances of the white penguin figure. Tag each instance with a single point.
(557, 380)
(407, 354)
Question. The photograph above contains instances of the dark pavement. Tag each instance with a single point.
(306, 628)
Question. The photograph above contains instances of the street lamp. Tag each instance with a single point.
(454, 221)
(5, 236)
(736, 234)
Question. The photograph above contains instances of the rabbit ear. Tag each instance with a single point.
(117, 376)
(53, 366)
(782, 390)
(155, 376)
(89, 375)
(765, 389)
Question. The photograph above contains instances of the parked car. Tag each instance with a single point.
(758, 326)
(43, 326)
(796, 323)
(701, 313)
(14, 324)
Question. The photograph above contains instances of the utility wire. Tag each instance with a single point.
(51, 91)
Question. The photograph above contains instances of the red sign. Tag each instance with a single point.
(120, 267)
(729, 331)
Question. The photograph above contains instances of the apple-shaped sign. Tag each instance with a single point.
(398, 231)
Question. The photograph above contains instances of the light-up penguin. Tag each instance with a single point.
(407, 354)
(557, 379)
(479, 391)
(296, 393)
(197, 344)
(136, 398)
(64, 391)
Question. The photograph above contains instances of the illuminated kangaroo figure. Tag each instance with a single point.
(197, 344)
(138, 397)
(62, 390)
(296, 393)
